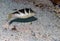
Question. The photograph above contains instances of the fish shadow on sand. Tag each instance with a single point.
(31, 19)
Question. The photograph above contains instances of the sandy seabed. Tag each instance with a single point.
(45, 28)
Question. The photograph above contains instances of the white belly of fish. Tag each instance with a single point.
(24, 15)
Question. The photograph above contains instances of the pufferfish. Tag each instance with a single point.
(22, 13)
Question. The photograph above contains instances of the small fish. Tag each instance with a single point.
(23, 13)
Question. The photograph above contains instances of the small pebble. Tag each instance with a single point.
(14, 28)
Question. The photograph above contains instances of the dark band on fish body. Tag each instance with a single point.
(31, 10)
(27, 10)
(21, 10)
(15, 12)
